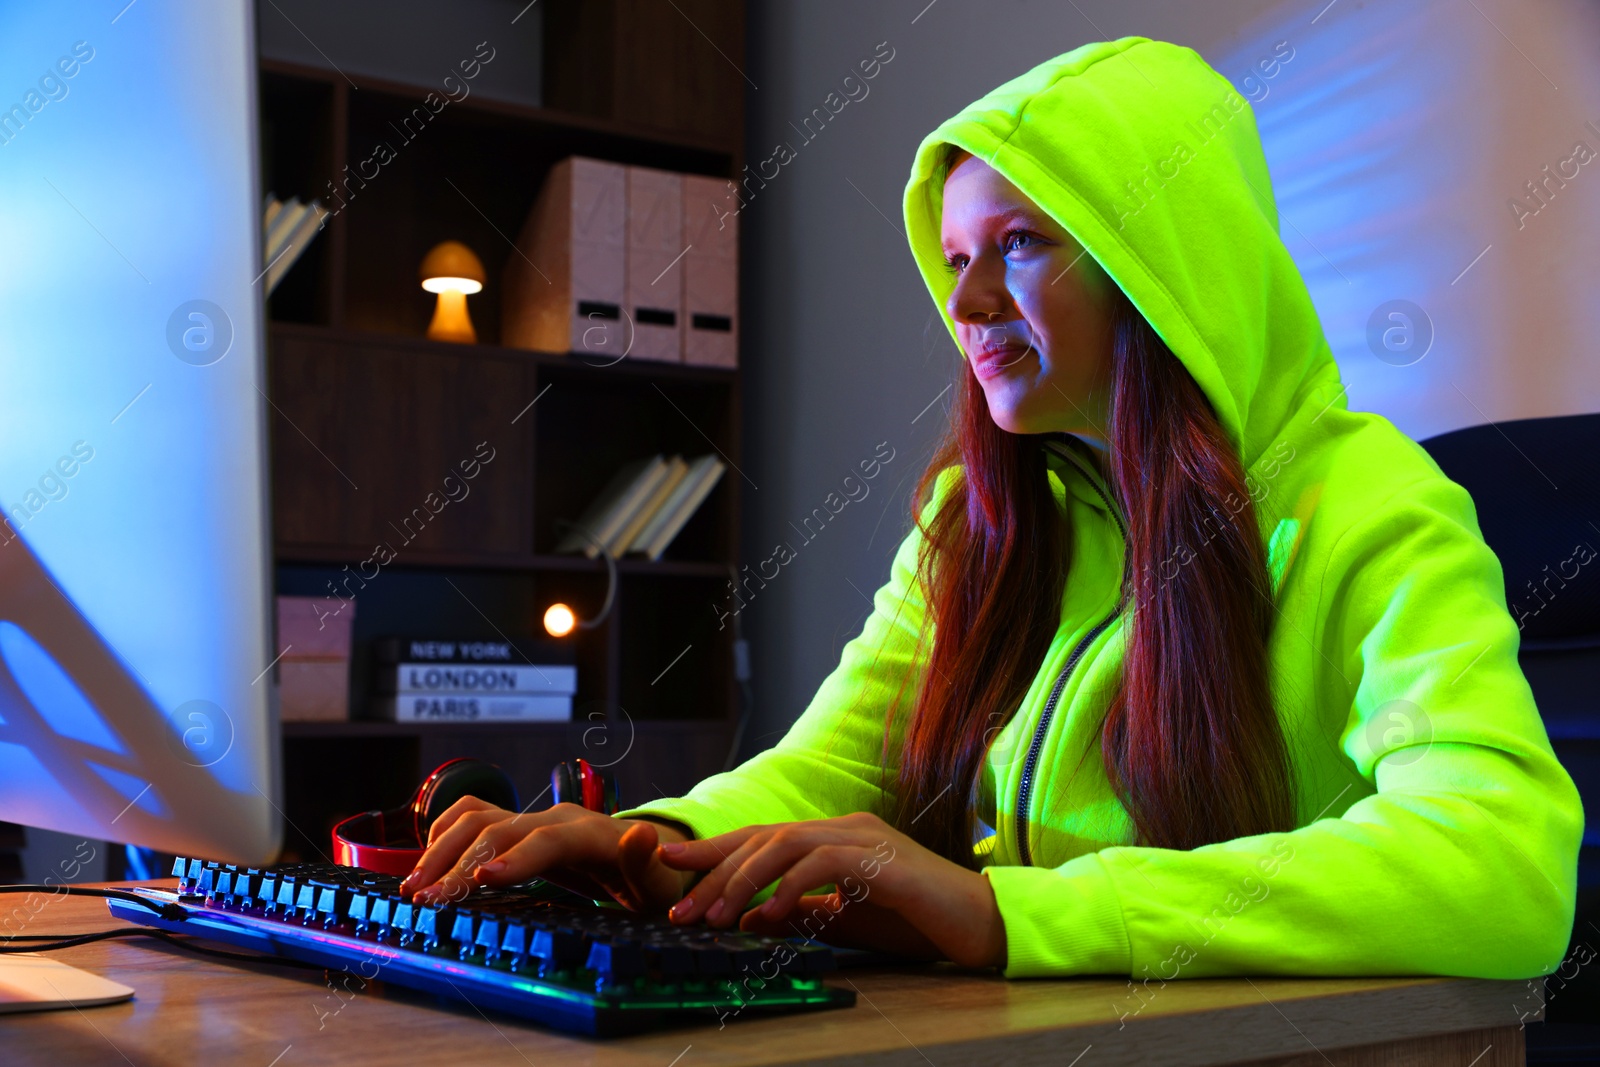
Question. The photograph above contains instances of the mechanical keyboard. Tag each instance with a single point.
(537, 951)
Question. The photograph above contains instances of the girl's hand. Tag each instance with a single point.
(890, 892)
(475, 843)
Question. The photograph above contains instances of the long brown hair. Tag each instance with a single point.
(1190, 742)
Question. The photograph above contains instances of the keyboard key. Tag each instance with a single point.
(487, 938)
(429, 923)
(559, 947)
(356, 910)
(516, 946)
(400, 923)
(617, 959)
(744, 953)
(710, 959)
(378, 912)
(461, 931)
(244, 886)
(669, 957)
(328, 905)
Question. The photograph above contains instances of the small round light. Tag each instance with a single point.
(459, 285)
(559, 620)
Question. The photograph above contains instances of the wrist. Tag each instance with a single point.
(666, 829)
(994, 926)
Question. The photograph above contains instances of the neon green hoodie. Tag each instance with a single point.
(1437, 832)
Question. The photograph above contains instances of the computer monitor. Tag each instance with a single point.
(137, 703)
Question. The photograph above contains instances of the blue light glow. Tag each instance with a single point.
(134, 545)
(52, 693)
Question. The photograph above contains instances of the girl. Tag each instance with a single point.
(1183, 668)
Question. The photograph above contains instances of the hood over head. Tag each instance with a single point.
(1151, 160)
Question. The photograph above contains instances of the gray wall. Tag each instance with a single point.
(53, 859)
(414, 41)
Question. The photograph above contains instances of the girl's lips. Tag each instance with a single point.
(989, 361)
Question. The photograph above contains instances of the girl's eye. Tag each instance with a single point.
(1015, 234)
(953, 264)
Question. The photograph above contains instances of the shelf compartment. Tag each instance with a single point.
(677, 662)
(372, 448)
(419, 176)
(300, 127)
(421, 602)
(590, 425)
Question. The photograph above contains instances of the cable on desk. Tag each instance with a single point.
(165, 909)
(58, 941)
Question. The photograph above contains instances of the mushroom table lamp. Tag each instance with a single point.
(451, 270)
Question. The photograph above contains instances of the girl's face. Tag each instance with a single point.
(1032, 310)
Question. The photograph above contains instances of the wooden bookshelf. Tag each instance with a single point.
(368, 416)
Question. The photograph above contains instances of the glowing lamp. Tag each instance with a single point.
(451, 270)
(559, 620)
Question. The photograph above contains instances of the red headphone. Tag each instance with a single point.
(391, 842)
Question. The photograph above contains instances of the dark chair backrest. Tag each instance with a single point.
(1536, 485)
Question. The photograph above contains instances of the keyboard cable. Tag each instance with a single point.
(165, 909)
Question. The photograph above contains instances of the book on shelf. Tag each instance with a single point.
(287, 228)
(281, 217)
(677, 509)
(456, 679)
(644, 506)
(395, 650)
(603, 519)
(460, 707)
(676, 469)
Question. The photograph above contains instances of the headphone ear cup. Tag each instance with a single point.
(456, 779)
(599, 789)
(593, 793)
(565, 785)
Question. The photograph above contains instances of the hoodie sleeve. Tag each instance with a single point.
(833, 759)
(1454, 850)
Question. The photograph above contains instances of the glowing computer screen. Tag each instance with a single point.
(136, 699)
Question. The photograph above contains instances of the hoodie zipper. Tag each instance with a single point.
(1030, 765)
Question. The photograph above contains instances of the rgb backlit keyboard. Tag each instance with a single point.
(537, 951)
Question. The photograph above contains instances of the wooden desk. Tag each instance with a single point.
(189, 1009)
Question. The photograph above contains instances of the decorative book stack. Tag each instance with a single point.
(313, 659)
(644, 506)
(418, 680)
(633, 261)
